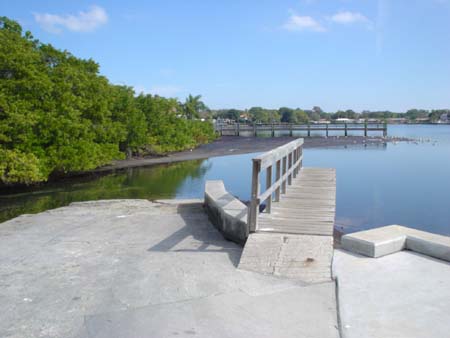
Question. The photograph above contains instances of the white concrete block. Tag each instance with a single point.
(393, 238)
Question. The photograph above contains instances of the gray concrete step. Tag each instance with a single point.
(306, 258)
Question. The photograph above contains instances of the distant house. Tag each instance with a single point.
(422, 119)
(444, 118)
(244, 116)
(344, 120)
(397, 120)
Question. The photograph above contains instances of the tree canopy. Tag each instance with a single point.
(59, 115)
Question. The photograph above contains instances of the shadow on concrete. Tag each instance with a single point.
(200, 229)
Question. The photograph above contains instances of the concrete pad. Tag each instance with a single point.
(405, 295)
(306, 258)
(393, 238)
(231, 315)
(132, 268)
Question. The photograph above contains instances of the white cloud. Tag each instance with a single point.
(81, 22)
(161, 90)
(346, 17)
(303, 23)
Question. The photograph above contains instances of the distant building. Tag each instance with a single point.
(444, 118)
(397, 120)
(244, 116)
(422, 119)
(344, 120)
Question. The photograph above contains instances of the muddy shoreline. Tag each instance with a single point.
(236, 145)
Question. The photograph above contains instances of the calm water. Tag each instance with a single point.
(403, 183)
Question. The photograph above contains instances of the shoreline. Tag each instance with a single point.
(223, 146)
(239, 145)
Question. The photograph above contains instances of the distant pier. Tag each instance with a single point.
(260, 129)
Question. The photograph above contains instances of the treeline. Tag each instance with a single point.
(59, 115)
(298, 115)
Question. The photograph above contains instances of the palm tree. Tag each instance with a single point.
(193, 106)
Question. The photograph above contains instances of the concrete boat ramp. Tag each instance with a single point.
(133, 268)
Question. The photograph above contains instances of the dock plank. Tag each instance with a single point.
(308, 207)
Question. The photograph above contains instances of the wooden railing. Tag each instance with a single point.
(287, 161)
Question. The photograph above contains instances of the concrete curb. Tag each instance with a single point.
(226, 213)
(394, 238)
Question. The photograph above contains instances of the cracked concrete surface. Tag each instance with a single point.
(132, 268)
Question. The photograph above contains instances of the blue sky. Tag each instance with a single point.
(341, 54)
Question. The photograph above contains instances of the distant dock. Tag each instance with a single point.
(272, 129)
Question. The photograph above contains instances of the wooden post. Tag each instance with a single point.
(365, 128)
(283, 185)
(294, 159)
(254, 129)
(290, 130)
(273, 130)
(385, 128)
(277, 177)
(300, 150)
(237, 129)
(309, 130)
(268, 185)
(346, 129)
(289, 167)
(252, 219)
(298, 158)
(327, 129)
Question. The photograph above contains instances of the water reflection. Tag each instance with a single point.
(377, 184)
(162, 181)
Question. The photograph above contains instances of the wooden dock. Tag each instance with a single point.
(308, 206)
(324, 129)
(293, 236)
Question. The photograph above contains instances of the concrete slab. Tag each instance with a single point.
(406, 295)
(224, 315)
(132, 268)
(393, 238)
(306, 258)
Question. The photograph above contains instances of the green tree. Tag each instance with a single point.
(131, 119)
(232, 114)
(59, 115)
(193, 106)
(301, 116)
(287, 115)
(259, 114)
(414, 114)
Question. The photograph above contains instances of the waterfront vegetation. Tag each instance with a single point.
(59, 115)
(298, 115)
